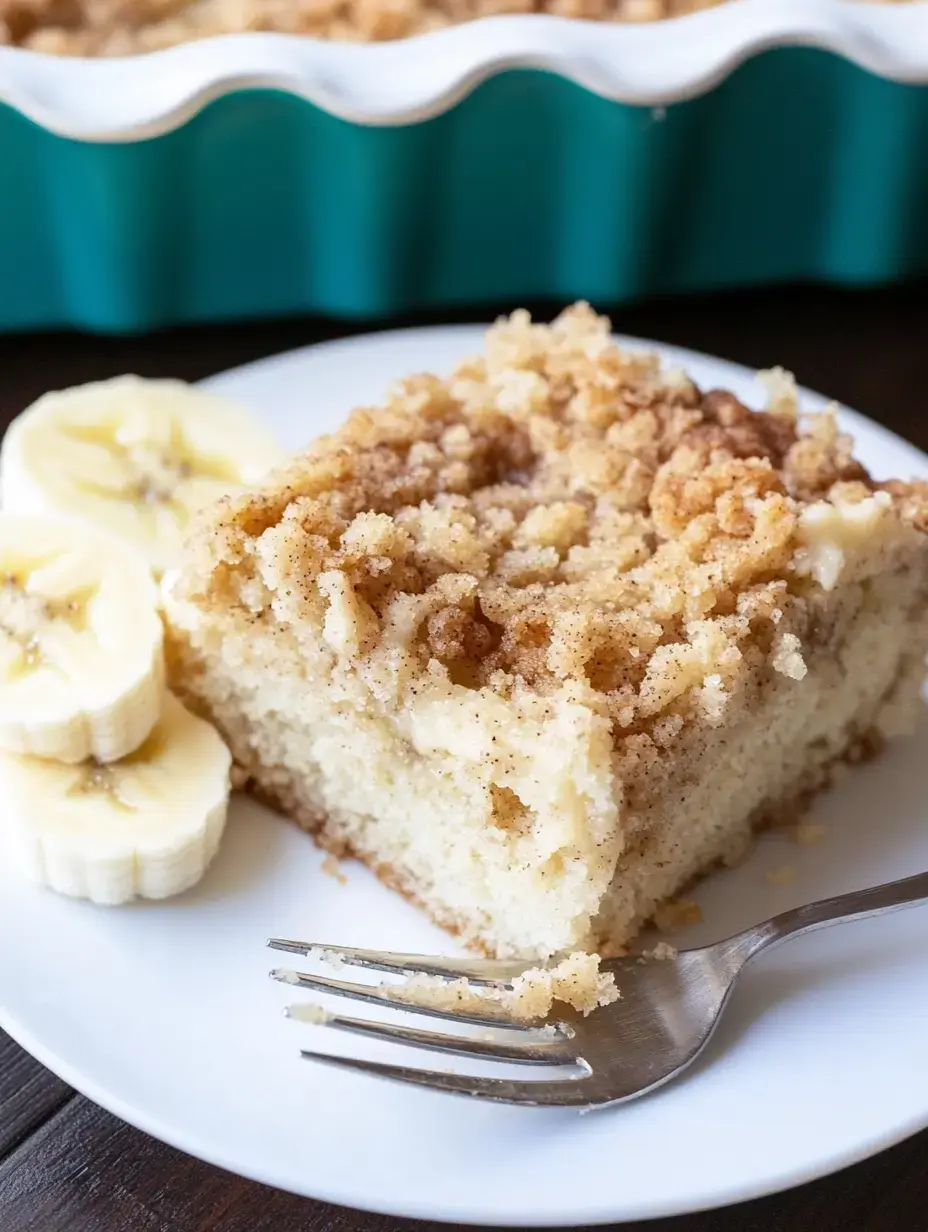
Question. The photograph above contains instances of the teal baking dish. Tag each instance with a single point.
(798, 164)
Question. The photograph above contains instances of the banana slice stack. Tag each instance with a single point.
(134, 456)
(146, 826)
(109, 789)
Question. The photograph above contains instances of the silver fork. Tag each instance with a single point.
(668, 1009)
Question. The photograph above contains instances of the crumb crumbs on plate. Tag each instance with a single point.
(612, 949)
(781, 876)
(808, 833)
(332, 868)
(678, 913)
(662, 952)
(238, 778)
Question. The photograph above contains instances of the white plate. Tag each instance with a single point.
(164, 1014)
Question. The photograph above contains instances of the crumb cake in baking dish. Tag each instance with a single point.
(115, 28)
(545, 640)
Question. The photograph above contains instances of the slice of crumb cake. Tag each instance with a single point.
(543, 641)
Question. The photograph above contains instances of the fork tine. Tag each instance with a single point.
(540, 1052)
(490, 1016)
(486, 971)
(564, 1092)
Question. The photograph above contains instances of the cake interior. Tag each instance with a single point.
(582, 851)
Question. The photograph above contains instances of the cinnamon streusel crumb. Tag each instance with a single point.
(557, 512)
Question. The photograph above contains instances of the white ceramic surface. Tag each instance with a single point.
(164, 1014)
(412, 79)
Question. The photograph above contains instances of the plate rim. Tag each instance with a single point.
(735, 1197)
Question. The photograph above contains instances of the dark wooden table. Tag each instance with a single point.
(67, 1166)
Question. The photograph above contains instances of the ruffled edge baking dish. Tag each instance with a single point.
(414, 79)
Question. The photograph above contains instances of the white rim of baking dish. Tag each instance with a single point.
(413, 79)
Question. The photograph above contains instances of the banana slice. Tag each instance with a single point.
(144, 827)
(134, 456)
(81, 642)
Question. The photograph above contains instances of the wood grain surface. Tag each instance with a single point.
(68, 1166)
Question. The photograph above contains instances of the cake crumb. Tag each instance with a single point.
(575, 981)
(808, 833)
(612, 949)
(678, 913)
(662, 952)
(738, 849)
(332, 868)
(781, 876)
(330, 958)
(310, 1012)
(238, 778)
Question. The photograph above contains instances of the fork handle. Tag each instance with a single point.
(876, 900)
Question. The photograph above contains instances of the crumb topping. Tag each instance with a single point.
(561, 511)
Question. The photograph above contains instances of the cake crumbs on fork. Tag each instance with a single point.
(575, 981)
